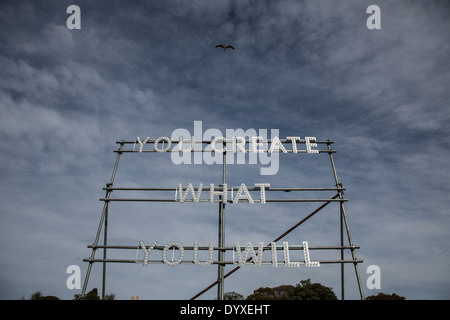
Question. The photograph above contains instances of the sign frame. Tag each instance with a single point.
(237, 146)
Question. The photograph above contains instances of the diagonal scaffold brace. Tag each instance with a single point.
(275, 240)
(103, 221)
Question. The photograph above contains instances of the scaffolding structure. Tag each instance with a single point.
(221, 248)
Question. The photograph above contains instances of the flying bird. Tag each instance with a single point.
(225, 47)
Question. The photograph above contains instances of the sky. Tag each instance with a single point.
(147, 68)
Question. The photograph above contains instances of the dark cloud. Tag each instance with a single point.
(146, 69)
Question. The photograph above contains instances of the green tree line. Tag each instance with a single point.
(305, 290)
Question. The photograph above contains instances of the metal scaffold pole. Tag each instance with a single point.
(221, 267)
(103, 220)
(344, 222)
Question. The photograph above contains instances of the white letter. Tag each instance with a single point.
(309, 263)
(274, 254)
(287, 259)
(263, 190)
(256, 144)
(239, 134)
(211, 155)
(240, 145)
(294, 144)
(256, 258)
(247, 195)
(228, 309)
(190, 188)
(223, 193)
(141, 144)
(146, 252)
(169, 143)
(210, 258)
(183, 155)
(276, 143)
(213, 147)
(73, 281)
(164, 254)
(74, 21)
(374, 21)
(309, 145)
(374, 281)
(180, 145)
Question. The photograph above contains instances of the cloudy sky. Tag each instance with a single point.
(305, 68)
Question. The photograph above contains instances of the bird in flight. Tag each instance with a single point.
(225, 47)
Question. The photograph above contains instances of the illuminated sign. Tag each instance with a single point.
(239, 257)
(213, 147)
(237, 143)
(242, 193)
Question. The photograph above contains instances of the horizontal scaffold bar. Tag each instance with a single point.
(238, 145)
(220, 200)
(221, 189)
(246, 141)
(214, 262)
(263, 151)
(266, 248)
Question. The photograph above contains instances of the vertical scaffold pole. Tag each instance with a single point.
(105, 243)
(341, 223)
(220, 276)
(103, 220)
(344, 221)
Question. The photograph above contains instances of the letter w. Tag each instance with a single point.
(249, 248)
(190, 188)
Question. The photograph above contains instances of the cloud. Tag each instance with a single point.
(303, 67)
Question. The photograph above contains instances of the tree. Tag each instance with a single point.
(110, 296)
(233, 296)
(50, 298)
(263, 293)
(36, 296)
(384, 296)
(305, 290)
(284, 292)
(39, 296)
(92, 295)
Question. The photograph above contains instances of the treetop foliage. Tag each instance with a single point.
(305, 290)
